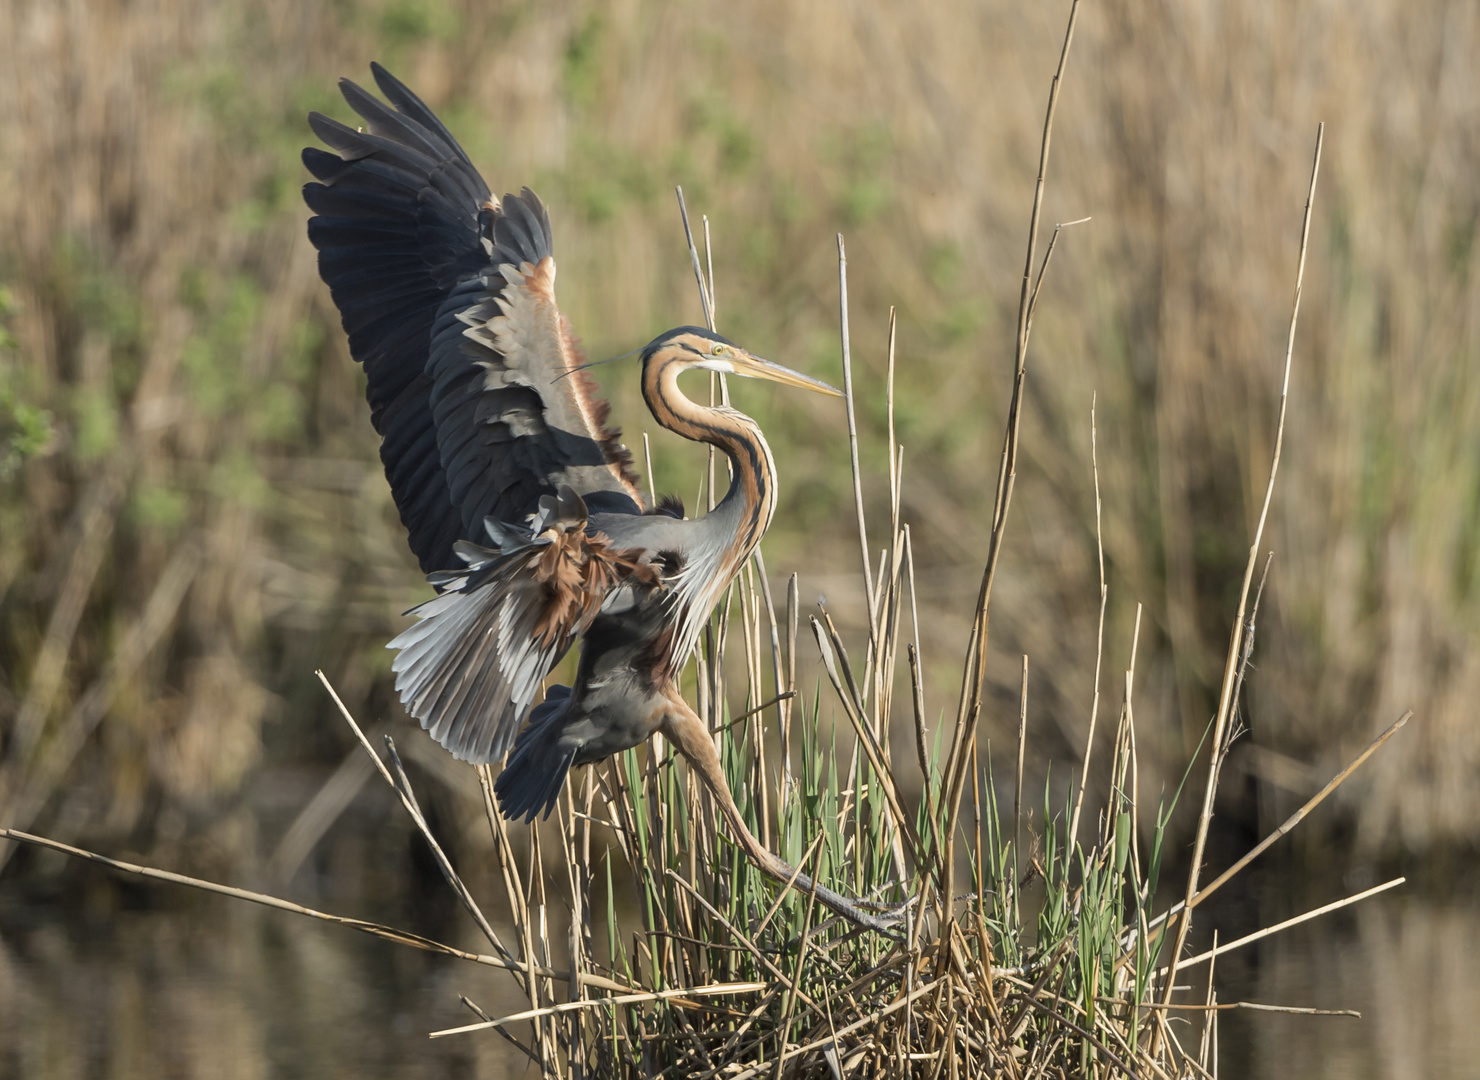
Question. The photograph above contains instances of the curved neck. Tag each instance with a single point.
(753, 474)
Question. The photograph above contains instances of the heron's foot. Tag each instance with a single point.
(899, 907)
(884, 919)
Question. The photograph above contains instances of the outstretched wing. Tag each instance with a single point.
(470, 669)
(447, 296)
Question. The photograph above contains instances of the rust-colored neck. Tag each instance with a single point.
(753, 472)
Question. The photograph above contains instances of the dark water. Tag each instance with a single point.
(223, 989)
(1409, 963)
(126, 982)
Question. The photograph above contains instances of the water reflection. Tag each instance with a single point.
(1406, 962)
(209, 988)
(227, 990)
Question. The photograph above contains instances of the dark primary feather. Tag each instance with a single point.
(477, 412)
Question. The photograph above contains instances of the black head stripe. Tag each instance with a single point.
(679, 331)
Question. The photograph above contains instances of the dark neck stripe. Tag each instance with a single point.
(733, 433)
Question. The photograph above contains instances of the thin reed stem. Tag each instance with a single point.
(1299, 815)
(1231, 665)
(704, 295)
(1094, 709)
(974, 673)
(1259, 935)
(868, 580)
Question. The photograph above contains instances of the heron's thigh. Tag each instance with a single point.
(613, 721)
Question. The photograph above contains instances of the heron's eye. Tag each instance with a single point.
(718, 350)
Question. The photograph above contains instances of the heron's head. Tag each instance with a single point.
(694, 347)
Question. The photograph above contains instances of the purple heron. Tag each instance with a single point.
(520, 504)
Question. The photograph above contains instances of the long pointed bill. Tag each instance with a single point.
(753, 367)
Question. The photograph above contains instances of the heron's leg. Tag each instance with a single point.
(688, 733)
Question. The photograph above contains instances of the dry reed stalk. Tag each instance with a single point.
(1017, 799)
(815, 849)
(385, 933)
(1094, 710)
(706, 301)
(1259, 935)
(709, 276)
(1231, 666)
(704, 294)
(972, 677)
(1300, 815)
(715, 990)
(402, 787)
(1135, 765)
(1060, 1019)
(796, 981)
(868, 583)
(779, 682)
(647, 460)
(1225, 1006)
(578, 884)
(1297, 1010)
(833, 657)
(1210, 1016)
(734, 931)
(896, 462)
(1288, 824)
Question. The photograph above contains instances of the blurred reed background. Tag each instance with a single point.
(193, 513)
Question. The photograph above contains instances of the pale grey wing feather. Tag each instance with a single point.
(652, 533)
(471, 667)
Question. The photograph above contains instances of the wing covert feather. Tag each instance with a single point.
(472, 666)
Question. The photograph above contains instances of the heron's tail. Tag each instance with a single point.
(536, 770)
